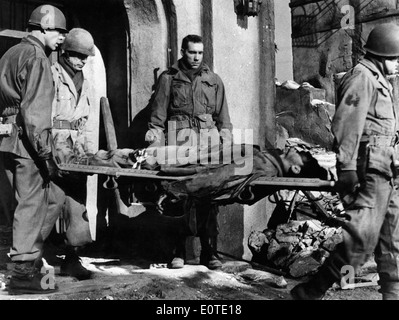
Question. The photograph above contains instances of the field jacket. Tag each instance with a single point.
(365, 112)
(78, 140)
(27, 92)
(200, 104)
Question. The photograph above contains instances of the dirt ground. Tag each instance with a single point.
(126, 270)
(140, 279)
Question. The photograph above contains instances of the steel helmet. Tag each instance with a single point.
(48, 17)
(79, 40)
(383, 40)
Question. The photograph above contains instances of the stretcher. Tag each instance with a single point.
(114, 173)
(276, 182)
(267, 185)
(261, 187)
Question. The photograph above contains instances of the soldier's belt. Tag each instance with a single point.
(190, 122)
(65, 124)
(380, 141)
(8, 119)
(6, 125)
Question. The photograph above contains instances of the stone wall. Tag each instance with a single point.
(328, 36)
(304, 115)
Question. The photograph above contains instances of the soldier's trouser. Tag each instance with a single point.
(203, 224)
(37, 208)
(74, 215)
(374, 227)
(207, 224)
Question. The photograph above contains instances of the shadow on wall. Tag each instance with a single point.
(139, 125)
(138, 129)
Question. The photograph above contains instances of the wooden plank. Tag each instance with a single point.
(109, 127)
(281, 182)
(267, 74)
(300, 3)
(207, 28)
(117, 172)
(295, 183)
(13, 33)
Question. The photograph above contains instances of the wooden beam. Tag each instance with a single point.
(171, 21)
(299, 3)
(110, 133)
(207, 31)
(267, 67)
(13, 33)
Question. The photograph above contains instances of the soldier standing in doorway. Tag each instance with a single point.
(190, 106)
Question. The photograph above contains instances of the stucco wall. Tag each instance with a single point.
(188, 19)
(148, 45)
(236, 60)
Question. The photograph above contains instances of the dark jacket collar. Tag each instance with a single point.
(35, 41)
(376, 71)
(179, 74)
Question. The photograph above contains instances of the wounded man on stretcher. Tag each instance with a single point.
(218, 173)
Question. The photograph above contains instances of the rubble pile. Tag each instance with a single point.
(298, 248)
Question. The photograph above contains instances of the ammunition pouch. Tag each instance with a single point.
(363, 159)
(6, 125)
(380, 141)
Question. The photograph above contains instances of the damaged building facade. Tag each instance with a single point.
(136, 40)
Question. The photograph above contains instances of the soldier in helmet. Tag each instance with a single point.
(365, 127)
(26, 96)
(73, 141)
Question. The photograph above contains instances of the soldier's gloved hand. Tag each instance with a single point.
(347, 183)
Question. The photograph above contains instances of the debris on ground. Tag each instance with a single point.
(297, 247)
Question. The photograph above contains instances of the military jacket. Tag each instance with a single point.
(365, 112)
(27, 90)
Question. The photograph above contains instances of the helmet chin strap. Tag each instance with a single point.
(384, 65)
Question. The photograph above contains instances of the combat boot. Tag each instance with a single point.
(27, 279)
(389, 290)
(208, 256)
(179, 254)
(315, 288)
(72, 266)
(306, 291)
